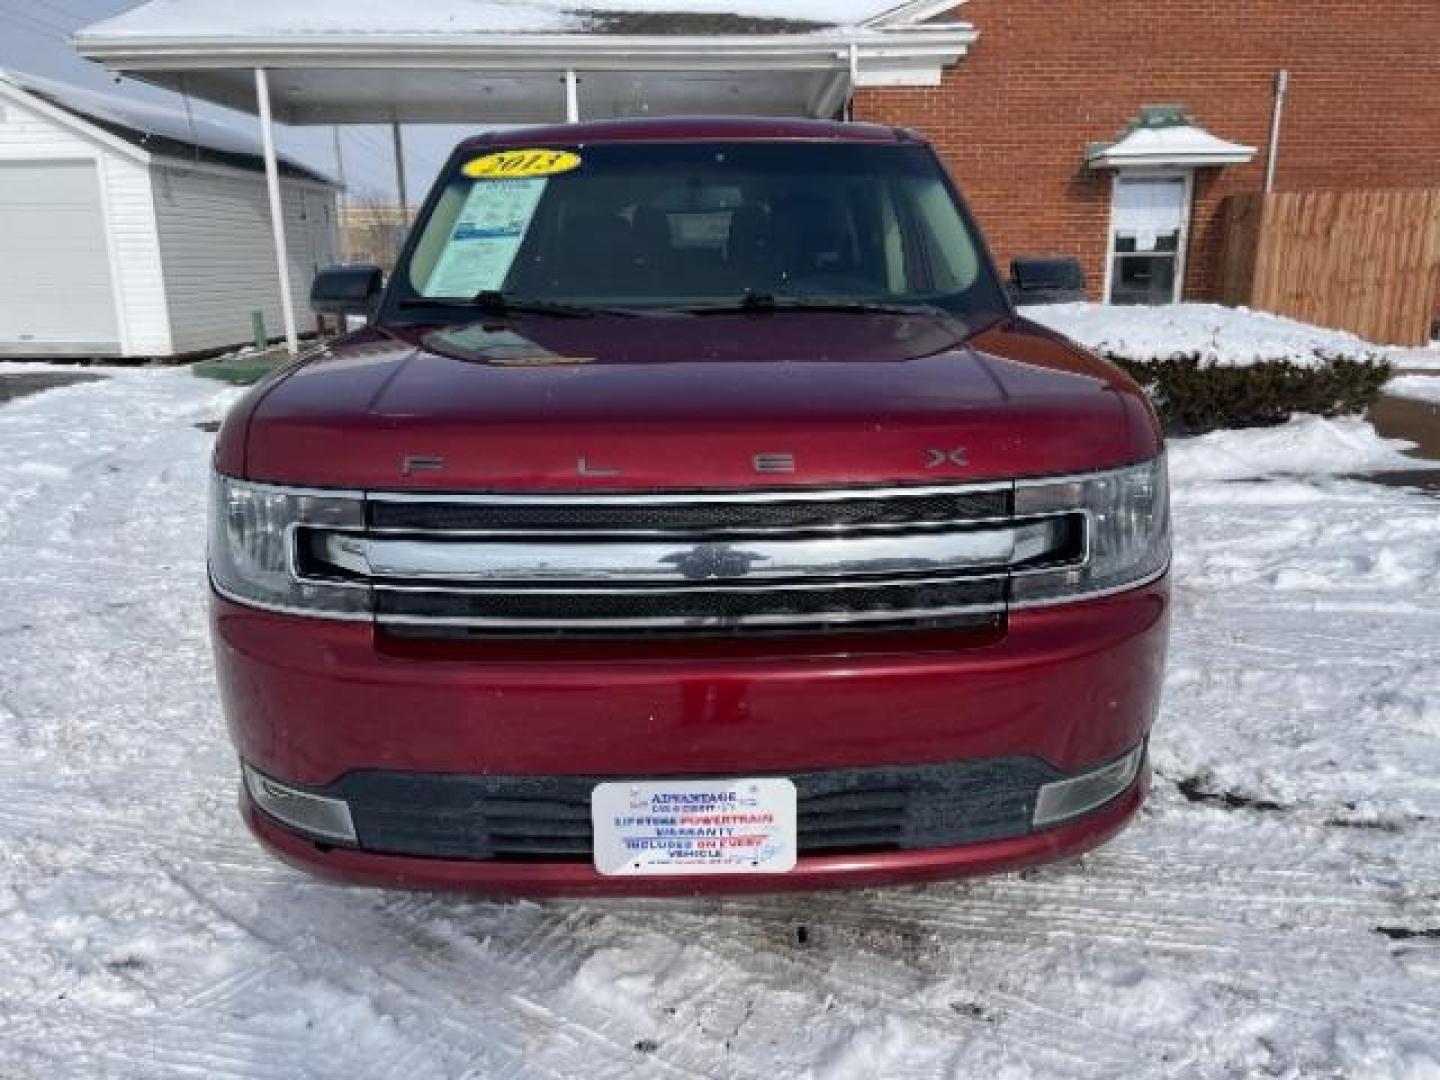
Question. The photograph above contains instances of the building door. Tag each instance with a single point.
(1149, 231)
(56, 292)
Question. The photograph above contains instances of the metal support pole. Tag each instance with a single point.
(339, 225)
(572, 98)
(1282, 87)
(854, 81)
(277, 211)
(400, 169)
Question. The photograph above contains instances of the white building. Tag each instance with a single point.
(130, 230)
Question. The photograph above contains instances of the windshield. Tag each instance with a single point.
(695, 225)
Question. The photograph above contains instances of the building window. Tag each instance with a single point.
(1149, 231)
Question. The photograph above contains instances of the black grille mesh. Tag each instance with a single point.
(698, 516)
(872, 809)
(716, 605)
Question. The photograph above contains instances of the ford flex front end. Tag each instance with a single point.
(693, 513)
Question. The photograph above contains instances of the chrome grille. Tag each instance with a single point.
(711, 562)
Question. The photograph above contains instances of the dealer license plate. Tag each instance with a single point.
(694, 827)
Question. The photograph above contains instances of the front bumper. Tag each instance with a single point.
(310, 702)
(503, 878)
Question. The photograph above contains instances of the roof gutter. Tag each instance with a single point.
(534, 52)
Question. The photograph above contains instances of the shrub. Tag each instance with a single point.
(1194, 398)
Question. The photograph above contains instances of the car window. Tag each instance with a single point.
(653, 225)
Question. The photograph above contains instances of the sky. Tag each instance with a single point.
(35, 38)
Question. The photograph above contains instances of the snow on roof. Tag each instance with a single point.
(442, 61)
(160, 130)
(211, 19)
(1165, 135)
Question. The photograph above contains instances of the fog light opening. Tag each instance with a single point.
(315, 815)
(1078, 795)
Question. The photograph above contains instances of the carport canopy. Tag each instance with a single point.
(495, 62)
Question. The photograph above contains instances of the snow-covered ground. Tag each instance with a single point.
(1220, 336)
(1418, 359)
(1421, 387)
(1305, 446)
(1275, 911)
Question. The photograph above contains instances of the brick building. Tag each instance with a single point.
(1045, 79)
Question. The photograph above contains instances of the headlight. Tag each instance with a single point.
(254, 538)
(1127, 532)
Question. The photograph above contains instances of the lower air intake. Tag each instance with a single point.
(871, 809)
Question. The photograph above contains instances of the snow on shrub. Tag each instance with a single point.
(1212, 335)
(1209, 367)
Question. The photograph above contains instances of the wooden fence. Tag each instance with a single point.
(1363, 261)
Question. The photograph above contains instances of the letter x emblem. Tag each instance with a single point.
(934, 459)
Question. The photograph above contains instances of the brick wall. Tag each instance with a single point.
(1049, 76)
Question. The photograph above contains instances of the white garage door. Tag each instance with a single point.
(55, 293)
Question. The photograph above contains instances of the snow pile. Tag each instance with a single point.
(1270, 914)
(1307, 445)
(1219, 336)
(1420, 387)
(1421, 359)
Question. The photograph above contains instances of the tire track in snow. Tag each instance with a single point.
(283, 954)
(535, 969)
(854, 968)
(58, 559)
(412, 971)
(1060, 905)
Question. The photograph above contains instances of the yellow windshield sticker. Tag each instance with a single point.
(514, 164)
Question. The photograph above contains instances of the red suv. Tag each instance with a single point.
(694, 513)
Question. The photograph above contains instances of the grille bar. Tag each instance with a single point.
(707, 513)
(684, 559)
(695, 608)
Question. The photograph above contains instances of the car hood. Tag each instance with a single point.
(731, 401)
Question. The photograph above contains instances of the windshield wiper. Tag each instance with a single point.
(491, 302)
(753, 300)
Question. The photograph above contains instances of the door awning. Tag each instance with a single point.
(1163, 135)
(504, 61)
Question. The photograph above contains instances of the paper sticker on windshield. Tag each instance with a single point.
(514, 164)
(486, 237)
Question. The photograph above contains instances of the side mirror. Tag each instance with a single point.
(347, 290)
(1046, 279)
